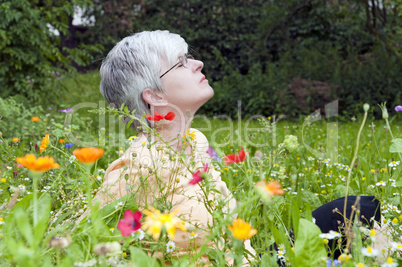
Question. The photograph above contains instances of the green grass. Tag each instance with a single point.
(308, 176)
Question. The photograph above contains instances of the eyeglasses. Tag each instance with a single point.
(183, 61)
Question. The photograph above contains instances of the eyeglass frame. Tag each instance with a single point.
(182, 60)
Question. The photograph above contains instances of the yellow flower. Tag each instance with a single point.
(41, 164)
(343, 258)
(35, 118)
(155, 221)
(15, 140)
(189, 135)
(3, 180)
(44, 143)
(88, 155)
(241, 229)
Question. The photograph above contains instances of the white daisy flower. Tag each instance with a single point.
(380, 183)
(193, 235)
(389, 263)
(330, 235)
(140, 234)
(369, 252)
(396, 246)
(170, 246)
(394, 163)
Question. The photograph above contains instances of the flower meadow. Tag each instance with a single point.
(278, 173)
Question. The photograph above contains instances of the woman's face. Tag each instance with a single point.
(186, 87)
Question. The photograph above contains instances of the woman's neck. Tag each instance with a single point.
(173, 131)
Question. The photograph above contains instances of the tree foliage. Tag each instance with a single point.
(32, 57)
(253, 50)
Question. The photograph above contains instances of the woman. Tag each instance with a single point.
(151, 73)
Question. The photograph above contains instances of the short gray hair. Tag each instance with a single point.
(134, 64)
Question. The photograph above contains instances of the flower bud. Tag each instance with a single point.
(366, 107)
(385, 113)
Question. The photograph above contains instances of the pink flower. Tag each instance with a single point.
(398, 108)
(199, 175)
(130, 223)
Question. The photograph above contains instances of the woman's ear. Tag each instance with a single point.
(154, 98)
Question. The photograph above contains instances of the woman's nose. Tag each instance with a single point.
(197, 65)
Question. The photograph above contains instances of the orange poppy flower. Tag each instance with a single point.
(35, 118)
(88, 155)
(40, 164)
(44, 143)
(268, 190)
(61, 141)
(15, 140)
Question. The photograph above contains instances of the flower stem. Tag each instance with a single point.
(389, 128)
(35, 200)
(349, 174)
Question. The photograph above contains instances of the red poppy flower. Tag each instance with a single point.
(170, 116)
(198, 176)
(157, 117)
(233, 158)
(130, 222)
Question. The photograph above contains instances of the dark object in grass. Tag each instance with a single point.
(330, 217)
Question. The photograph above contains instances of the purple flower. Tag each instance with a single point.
(68, 145)
(67, 110)
(398, 108)
(214, 155)
(331, 263)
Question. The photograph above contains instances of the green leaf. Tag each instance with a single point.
(311, 198)
(44, 205)
(309, 247)
(396, 146)
(140, 259)
(24, 226)
(340, 190)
